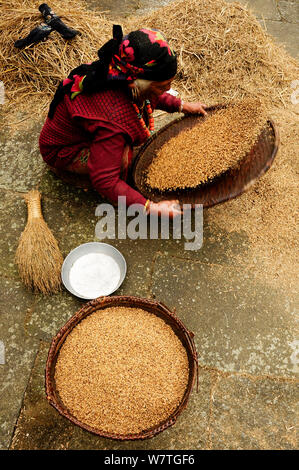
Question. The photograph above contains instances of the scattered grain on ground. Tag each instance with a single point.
(267, 215)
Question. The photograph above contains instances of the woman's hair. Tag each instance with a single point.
(143, 54)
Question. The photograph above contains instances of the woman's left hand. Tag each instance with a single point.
(194, 108)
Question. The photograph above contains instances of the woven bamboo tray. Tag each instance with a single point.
(228, 185)
(156, 308)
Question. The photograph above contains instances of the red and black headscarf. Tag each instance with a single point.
(144, 53)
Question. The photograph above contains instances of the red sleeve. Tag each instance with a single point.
(169, 103)
(104, 163)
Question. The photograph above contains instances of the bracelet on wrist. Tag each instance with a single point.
(146, 207)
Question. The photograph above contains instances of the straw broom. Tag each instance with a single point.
(38, 256)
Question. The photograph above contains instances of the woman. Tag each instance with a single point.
(104, 109)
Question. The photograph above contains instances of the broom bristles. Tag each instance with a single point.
(38, 258)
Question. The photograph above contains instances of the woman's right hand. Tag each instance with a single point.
(169, 209)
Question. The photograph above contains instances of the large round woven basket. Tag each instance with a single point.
(228, 185)
(151, 306)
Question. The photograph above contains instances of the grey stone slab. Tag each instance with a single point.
(39, 424)
(41, 427)
(240, 323)
(286, 34)
(12, 222)
(71, 223)
(289, 10)
(114, 9)
(125, 8)
(218, 248)
(163, 118)
(139, 258)
(18, 351)
(216, 245)
(261, 8)
(54, 188)
(20, 161)
(79, 226)
(50, 313)
(145, 6)
(254, 414)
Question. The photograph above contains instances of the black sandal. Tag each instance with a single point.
(40, 33)
(56, 23)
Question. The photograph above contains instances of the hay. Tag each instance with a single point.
(31, 75)
(210, 148)
(223, 52)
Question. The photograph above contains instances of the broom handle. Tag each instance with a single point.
(33, 200)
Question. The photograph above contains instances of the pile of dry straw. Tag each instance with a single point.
(224, 54)
(31, 75)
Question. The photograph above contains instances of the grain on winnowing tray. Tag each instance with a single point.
(122, 370)
(208, 149)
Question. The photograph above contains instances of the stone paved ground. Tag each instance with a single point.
(244, 328)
